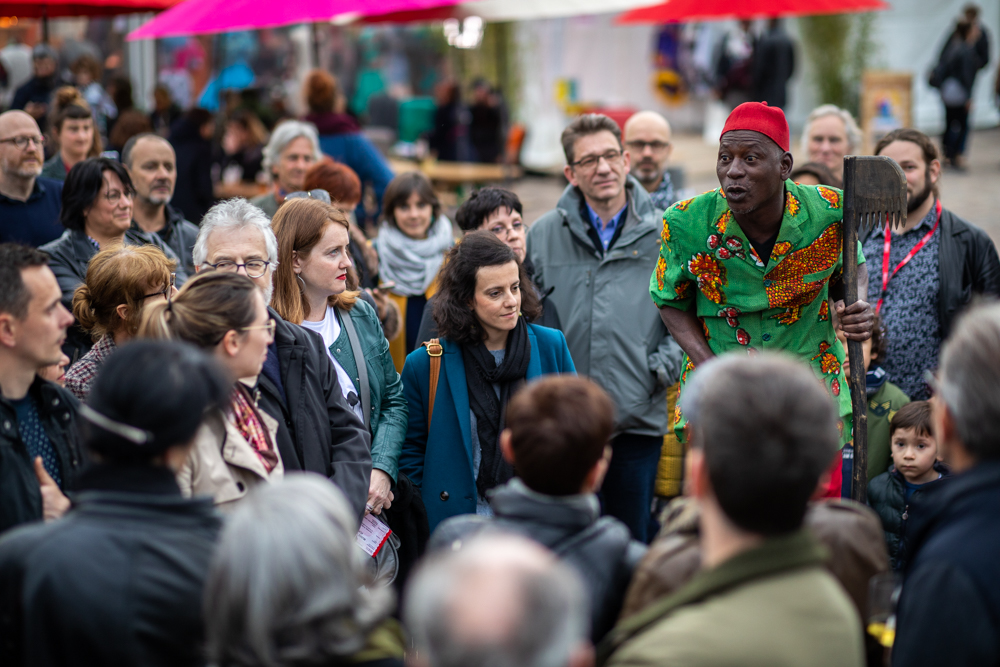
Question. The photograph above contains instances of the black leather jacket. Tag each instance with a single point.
(317, 430)
(20, 497)
(968, 265)
(601, 549)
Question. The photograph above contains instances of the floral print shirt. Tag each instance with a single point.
(707, 265)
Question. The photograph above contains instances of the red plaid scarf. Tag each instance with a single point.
(244, 417)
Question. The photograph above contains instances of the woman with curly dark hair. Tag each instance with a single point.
(457, 391)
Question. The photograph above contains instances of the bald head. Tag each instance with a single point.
(500, 600)
(152, 164)
(19, 163)
(647, 138)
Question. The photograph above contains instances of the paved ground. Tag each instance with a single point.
(969, 194)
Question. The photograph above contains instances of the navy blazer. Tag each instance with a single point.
(440, 463)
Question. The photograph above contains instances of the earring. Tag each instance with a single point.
(303, 288)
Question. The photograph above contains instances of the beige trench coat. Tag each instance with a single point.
(222, 464)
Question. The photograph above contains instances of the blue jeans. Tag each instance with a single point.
(627, 492)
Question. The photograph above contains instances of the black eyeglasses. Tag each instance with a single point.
(321, 195)
(590, 162)
(255, 268)
(165, 292)
(23, 141)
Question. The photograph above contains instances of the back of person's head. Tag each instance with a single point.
(203, 311)
(285, 133)
(768, 431)
(150, 396)
(969, 376)
(587, 124)
(120, 274)
(251, 124)
(816, 170)
(500, 601)
(559, 427)
(457, 286)
(83, 185)
(320, 89)
(14, 294)
(482, 203)
(963, 28)
(121, 92)
(339, 180)
(235, 213)
(285, 586)
(915, 415)
(130, 123)
(299, 225)
(398, 193)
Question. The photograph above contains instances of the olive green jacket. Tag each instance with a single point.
(771, 606)
(389, 413)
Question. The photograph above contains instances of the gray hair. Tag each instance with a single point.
(969, 378)
(537, 609)
(285, 585)
(850, 126)
(284, 134)
(236, 212)
(588, 123)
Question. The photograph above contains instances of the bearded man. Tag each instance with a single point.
(925, 273)
(752, 265)
(151, 162)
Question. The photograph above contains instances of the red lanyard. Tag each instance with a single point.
(885, 254)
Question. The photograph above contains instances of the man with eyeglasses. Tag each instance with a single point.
(317, 430)
(597, 248)
(647, 138)
(497, 211)
(152, 163)
(29, 202)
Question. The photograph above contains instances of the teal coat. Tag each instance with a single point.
(388, 417)
(440, 462)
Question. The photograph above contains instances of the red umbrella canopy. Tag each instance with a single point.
(678, 11)
(55, 8)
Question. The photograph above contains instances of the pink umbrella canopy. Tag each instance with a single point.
(195, 17)
(678, 11)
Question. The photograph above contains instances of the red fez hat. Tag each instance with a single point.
(757, 116)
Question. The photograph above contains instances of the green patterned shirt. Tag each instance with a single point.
(707, 264)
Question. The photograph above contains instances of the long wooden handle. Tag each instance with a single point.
(859, 395)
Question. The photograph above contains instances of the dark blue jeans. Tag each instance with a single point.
(627, 492)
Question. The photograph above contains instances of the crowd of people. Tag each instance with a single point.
(238, 434)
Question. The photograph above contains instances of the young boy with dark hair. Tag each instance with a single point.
(914, 467)
(557, 435)
(884, 400)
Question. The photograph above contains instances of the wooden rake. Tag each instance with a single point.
(874, 196)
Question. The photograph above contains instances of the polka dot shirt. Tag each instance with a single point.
(33, 435)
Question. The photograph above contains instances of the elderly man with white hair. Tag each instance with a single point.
(317, 429)
(829, 135)
(292, 149)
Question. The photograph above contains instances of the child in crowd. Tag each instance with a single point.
(914, 467)
(884, 399)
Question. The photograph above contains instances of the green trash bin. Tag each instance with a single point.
(416, 116)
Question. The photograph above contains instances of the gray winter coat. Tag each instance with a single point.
(613, 330)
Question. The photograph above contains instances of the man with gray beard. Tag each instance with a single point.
(29, 204)
(152, 165)
(647, 137)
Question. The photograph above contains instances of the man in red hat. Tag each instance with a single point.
(752, 266)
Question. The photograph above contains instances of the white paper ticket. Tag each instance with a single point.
(372, 535)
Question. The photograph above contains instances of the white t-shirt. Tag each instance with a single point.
(329, 329)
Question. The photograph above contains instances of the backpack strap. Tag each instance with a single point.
(434, 351)
(359, 361)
